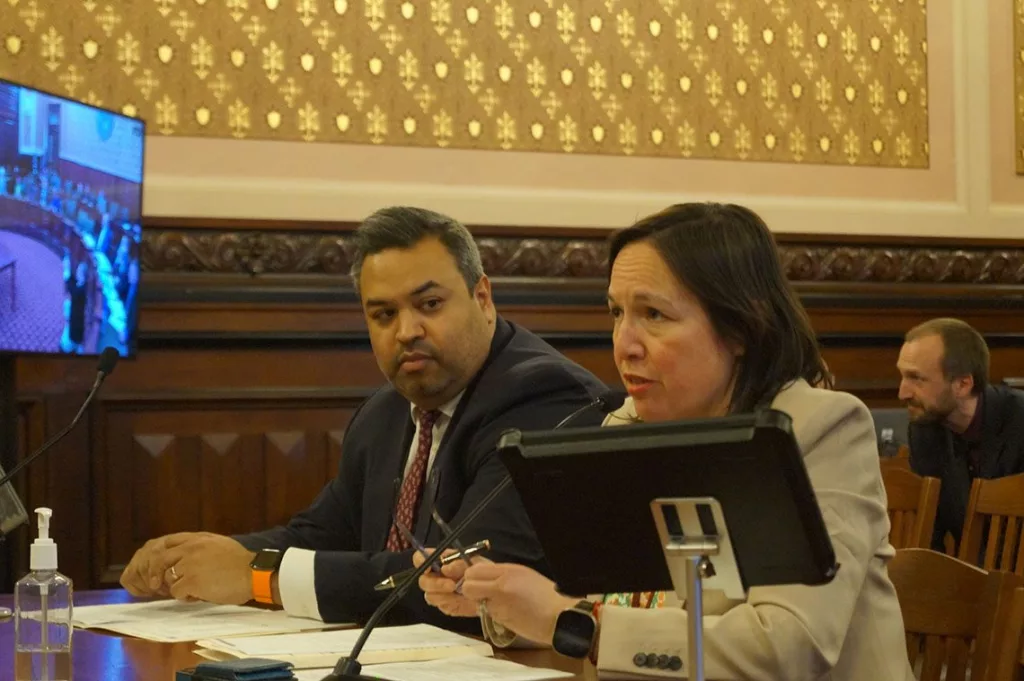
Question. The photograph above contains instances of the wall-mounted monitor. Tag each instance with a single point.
(70, 214)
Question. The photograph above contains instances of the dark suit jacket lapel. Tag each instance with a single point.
(446, 459)
(384, 468)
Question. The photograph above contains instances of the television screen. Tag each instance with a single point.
(70, 211)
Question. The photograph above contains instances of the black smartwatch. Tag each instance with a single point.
(575, 629)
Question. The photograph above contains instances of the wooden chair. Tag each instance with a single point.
(913, 502)
(1002, 636)
(995, 516)
(1014, 619)
(958, 617)
(900, 462)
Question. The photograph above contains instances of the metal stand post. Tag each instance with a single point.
(698, 567)
(692, 530)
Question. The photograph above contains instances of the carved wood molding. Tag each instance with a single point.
(812, 260)
(908, 264)
(245, 252)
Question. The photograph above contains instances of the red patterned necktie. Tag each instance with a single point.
(412, 486)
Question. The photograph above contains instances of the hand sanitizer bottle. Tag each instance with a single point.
(42, 613)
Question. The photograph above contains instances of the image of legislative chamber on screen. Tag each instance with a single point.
(70, 188)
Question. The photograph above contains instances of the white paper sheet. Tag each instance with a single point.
(170, 621)
(411, 643)
(340, 642)
(467, 668)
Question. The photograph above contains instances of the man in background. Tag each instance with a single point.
(458, 376)
(961, 427)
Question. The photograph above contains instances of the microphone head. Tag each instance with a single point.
(108, 360)
(611, 400)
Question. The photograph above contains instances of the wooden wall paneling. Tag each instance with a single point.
(62, 480)
(204, 364)
(229, 463)
(231, 494)
(31, 410)
(166, 478)
(566, 319)
(302, 453)
(296, 471)
(1006, 363)
(598, 360)
(114, 497)
(181, 317)
(298, 464)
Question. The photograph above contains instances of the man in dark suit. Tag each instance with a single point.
(459, 375)
(77, 290)
(961, 427)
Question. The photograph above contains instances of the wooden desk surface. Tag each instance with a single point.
(98, 656)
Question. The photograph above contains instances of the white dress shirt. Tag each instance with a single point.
(297, 573)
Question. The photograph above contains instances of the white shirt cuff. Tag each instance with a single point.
(296, 580)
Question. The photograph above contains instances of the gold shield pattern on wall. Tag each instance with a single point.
(804, 81)
(1018, 76)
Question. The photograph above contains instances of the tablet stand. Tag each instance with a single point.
(692, 532)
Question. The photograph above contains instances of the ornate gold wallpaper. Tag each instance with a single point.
(811, 81)
(1018, 71)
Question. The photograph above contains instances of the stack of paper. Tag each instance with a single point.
(175, 621)
(467, 668)
(412, 643)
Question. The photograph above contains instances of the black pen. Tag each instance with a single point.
(471, 550)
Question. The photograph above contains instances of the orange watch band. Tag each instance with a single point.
(262, 590)
(262, 568)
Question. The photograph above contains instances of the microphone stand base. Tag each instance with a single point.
(346, 670)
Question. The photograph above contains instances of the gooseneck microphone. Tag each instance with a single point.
(348, 667)
(607, 402)
(108, 360)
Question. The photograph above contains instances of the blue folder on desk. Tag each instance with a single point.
(245, 669)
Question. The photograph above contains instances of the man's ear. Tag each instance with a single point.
(482, 296)
(963, 385)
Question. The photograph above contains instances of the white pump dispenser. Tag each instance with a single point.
(43, 554)
(42, 613)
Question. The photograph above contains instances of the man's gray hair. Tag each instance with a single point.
(404, 227)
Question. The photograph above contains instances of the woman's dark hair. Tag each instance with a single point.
(725, 256)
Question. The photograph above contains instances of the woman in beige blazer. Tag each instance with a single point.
(706, 324)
